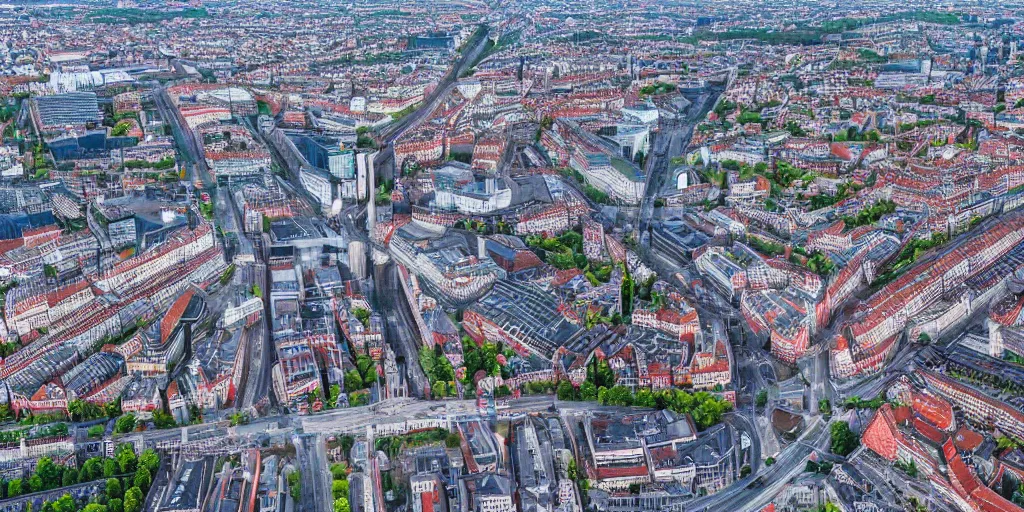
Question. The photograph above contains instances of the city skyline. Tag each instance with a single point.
(534, 256)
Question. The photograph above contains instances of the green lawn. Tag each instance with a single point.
(625, 168)
(263, 108)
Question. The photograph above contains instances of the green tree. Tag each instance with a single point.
(163, 420)
(362, 315)
(110, 468)
(910, 468)
(294, 484)
(70, 477)
(115, 505)
(644, 398)
(241, 418)
(566, 391)
(142, 479)
(347, 442)
(92, 469)
(149, 460)
(114, 489)
(452, 440)
(843, 439)
(75, 408)
(619, 395)
(588, 391)
(113, 409)
(35, 483)
(333, 393)
(1008, 443)
(762, 398)
(94, 507)
(96, 431)
(125, 424)
(14, 488)
(126, 459)
(368, 369)
(49, 473)
(748, 117)
(627, 289)
(339, 488)
(133, 499)
(64, 504)
(121, 128)
(824, 406)
(341, 505)
(600, 373)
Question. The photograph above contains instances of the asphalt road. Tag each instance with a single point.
(746, 494)
(466, 61)
(315, 495)
(672, 140)
(390, 133)
(257, 380)
(189, 145)
(400, 328)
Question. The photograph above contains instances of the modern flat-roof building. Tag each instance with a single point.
(68, 109)
(328, 154)
(523, 316)
(613, 175)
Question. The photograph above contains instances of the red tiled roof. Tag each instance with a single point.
(10, 245)
(604, 473)
(564, 276)
(902, 414)
(721, 365)
(928, 431)
(57, 296)
(174, 314)
(967, 484)
(933, 409)
(41, 230)
(1007, 310)
(967, 440)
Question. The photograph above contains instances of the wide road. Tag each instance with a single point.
(671, 140)
(258, 371)
(188, 143)
(315, 490)
(391, 132)
(474, 47)
(354, 420)
(757, 489)
(399, 326)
